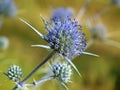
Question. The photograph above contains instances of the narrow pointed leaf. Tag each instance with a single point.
(35, 30)
(43, 19)
(70, 62)
(92, 54)
(42, 46)
(65, 86)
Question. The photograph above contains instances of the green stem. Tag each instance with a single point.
(42, 80)
(43, 62)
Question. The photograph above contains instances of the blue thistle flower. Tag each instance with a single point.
(14, 73)
(59, 71)
(65, 37)
(7, 8)
(62, 12)
(62, 72)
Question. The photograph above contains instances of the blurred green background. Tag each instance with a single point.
(99, 73)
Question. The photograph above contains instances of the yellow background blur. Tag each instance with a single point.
(99, 73)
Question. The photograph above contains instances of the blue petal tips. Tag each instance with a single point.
(65, 37)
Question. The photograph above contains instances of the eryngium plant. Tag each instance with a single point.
(64, 37)
(62, 72)
(14, 73)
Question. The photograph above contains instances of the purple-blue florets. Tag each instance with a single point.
(65, 37)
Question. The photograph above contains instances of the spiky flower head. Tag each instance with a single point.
(62, 12)
(7, 8)
(65, 37)
(62, 72)
(14, 73)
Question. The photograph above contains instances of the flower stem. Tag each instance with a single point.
(35, 83)
(43, 80)
(43, 62)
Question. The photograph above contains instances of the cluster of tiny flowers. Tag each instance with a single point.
(65, 36)
(62, 72)
(7, 8)
(14, 73)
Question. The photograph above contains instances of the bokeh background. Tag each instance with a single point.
(98, 73)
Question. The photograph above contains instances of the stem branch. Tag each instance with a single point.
(43, 62)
